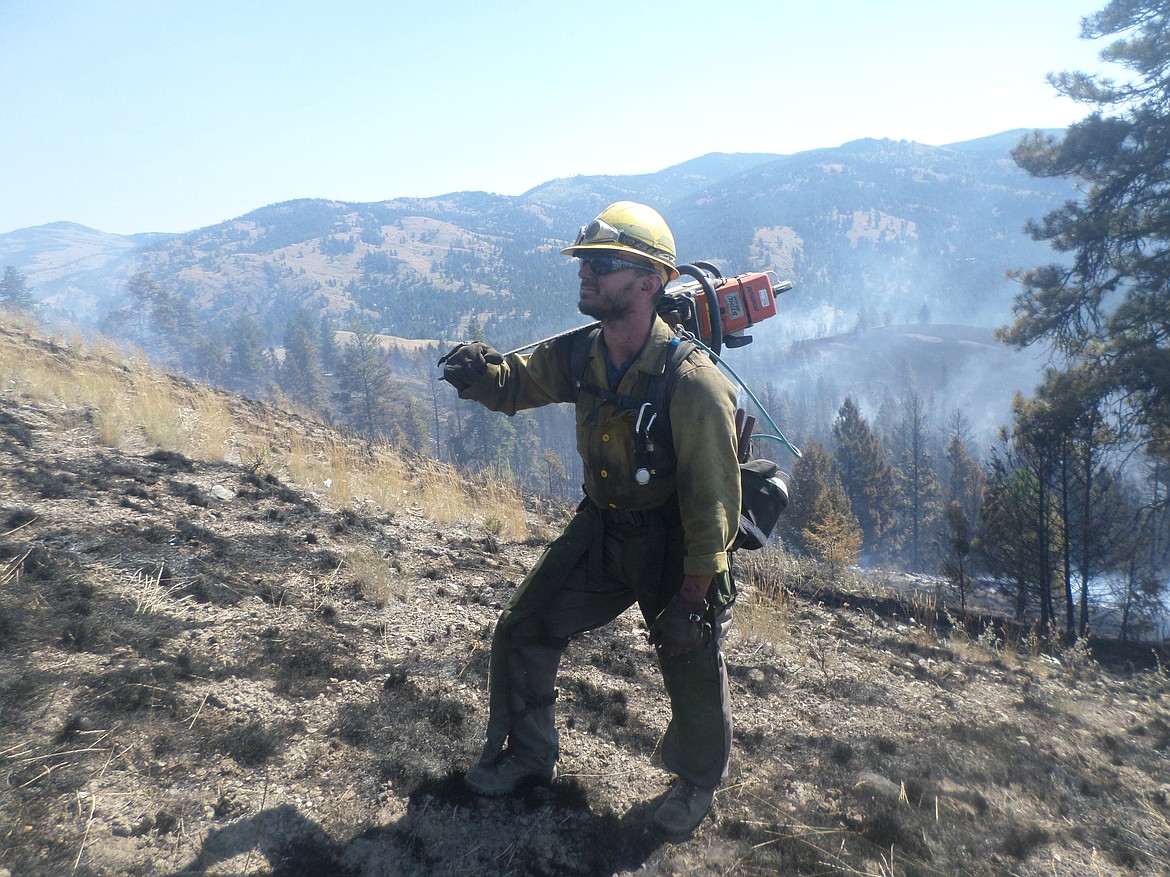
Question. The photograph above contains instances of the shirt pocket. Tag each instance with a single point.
(606, 444)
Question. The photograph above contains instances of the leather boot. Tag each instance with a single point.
(505, 774)
(684, 808)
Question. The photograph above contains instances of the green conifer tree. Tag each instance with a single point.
(14, 292)
(300, 373)
(865, 476)
(365, 386)
(1107, 305)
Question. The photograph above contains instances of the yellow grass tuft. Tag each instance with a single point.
(127, 405)
(373, 575)
(762, 613)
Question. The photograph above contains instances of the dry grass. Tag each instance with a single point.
(374, 577)
(126, 404)
(762, 613)
(124, 399)
(10, 570)
(356, 473)
(148, 591)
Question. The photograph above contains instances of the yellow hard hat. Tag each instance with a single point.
(629, 229)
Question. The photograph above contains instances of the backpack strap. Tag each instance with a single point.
(656, 417)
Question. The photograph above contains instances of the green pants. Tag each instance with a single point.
(592, 573)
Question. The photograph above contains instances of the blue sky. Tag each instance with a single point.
(132, 116)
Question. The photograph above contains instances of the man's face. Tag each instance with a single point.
(608, 297)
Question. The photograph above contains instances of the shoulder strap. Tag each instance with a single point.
(660, 388)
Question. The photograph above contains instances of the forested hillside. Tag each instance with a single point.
(873, 234)
(872, 231)
(899, 254)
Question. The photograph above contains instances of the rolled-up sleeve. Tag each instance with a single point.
(702, 415)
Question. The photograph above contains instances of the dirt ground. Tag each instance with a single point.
(192, 681)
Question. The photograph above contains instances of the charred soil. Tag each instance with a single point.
(192, 681)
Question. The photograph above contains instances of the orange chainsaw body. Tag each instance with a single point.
(744, 300)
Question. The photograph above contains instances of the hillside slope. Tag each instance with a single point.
(200, 674)
(872, 227)
(74, 270)
(952, 367)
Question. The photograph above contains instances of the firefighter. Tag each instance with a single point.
(658, 540)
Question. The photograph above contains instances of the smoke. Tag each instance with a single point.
(952, 367)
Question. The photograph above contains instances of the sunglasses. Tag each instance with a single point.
(606, 264)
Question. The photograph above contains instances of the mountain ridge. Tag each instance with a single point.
(873, 232)
(806, 213)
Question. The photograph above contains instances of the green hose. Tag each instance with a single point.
(779, 437)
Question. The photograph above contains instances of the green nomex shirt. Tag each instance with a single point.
(702, 415)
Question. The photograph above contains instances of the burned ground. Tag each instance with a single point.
(193, 680)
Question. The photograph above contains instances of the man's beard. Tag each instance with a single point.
(615, 304)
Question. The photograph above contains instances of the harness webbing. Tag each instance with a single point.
(658, 393)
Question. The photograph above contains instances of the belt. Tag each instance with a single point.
(655, 523)
(668, 513)
(630, 517)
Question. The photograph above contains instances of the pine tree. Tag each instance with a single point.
(143, 291)
(963, 481)
(865, 476)
(1063, 434)
(528, 452)
(1001, 525)
(917, 485)
(249, 368)
(166, 321)
(327, 343)
(833, 536)
(365, 387)
(811, 476)
(14, 291)
(300, 373)
(956, 542)
(1021, 526)
(819, 520)
(485, 442)
(411, 429)
(1108, 306)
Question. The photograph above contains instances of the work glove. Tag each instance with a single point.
(467, 363)
(680, 628)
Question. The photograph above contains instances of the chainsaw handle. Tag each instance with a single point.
(712, 304)
(745, 425)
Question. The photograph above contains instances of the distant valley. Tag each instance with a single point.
(875, 234)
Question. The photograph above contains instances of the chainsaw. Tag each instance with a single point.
(714, 309)
(717, 309)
